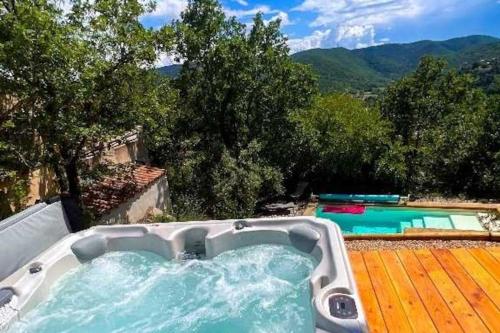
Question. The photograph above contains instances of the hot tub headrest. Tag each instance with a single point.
(11, 220)
(28, 233)
(304, 238)
(90, 247)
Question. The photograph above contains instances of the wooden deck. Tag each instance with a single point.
(430, 290)
(454, 205)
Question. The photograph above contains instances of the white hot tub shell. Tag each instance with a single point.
(334, 295)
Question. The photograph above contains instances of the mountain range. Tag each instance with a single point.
(374, 67)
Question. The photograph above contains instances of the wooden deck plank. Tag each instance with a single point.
(430, 290)
(478, 299)
(388, 300)
(488, 262)
(494, 251)
(453, 205)
(468, 319)
(479, 274)
(372, 310)
(415, 311)
(437, 308)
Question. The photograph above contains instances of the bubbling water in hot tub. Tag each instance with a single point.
(261, 288)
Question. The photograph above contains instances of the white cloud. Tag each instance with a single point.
(166, 59)
(354, 22)
(170, 9)
(241, 13)
(356, 12)
(313, 41)
(348, 36)
(242, 2)
(65, 5)
(355, 36)
(265, 10)
(283, 16)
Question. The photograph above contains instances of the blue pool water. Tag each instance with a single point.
(261, 288)
(389, 220)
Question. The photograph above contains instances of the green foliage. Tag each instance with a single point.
(439, 118)
(239, 182)
(75, 79)
(241, 121)
(164, 218)
(338, 69)
(487, 73)
(374, 67)
(483, 170)
(429, 126)
(390, 167)
(236, 91)
(188, 207)
(14, 193)
(344, 139)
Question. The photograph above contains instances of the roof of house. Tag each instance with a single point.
(112, 191)
(97, 148)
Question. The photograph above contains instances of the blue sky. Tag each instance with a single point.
(358, 23)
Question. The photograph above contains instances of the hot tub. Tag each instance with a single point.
(334, 298)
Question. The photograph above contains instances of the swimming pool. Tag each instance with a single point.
(390, 219)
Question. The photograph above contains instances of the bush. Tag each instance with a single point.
(441, 123)
(239, 183)
(188, 207)
(342, 139)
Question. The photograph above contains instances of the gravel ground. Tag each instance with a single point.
(437, 198)
(490, 221)
(358, 245)
(299, 211)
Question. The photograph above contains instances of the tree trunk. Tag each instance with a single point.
(74, 188)
(60, 176)
(410, 171)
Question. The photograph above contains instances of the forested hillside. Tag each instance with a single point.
(372, 67)
(340, 69)
(170, 71)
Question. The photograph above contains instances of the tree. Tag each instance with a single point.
(14, 167)
(438, 117)
(481, 172)
(487, 73)
(74, 79)
(341, 141)
(237, 90)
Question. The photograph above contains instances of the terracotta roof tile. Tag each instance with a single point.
(110, 192)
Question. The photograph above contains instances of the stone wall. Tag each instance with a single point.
(136, 209)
